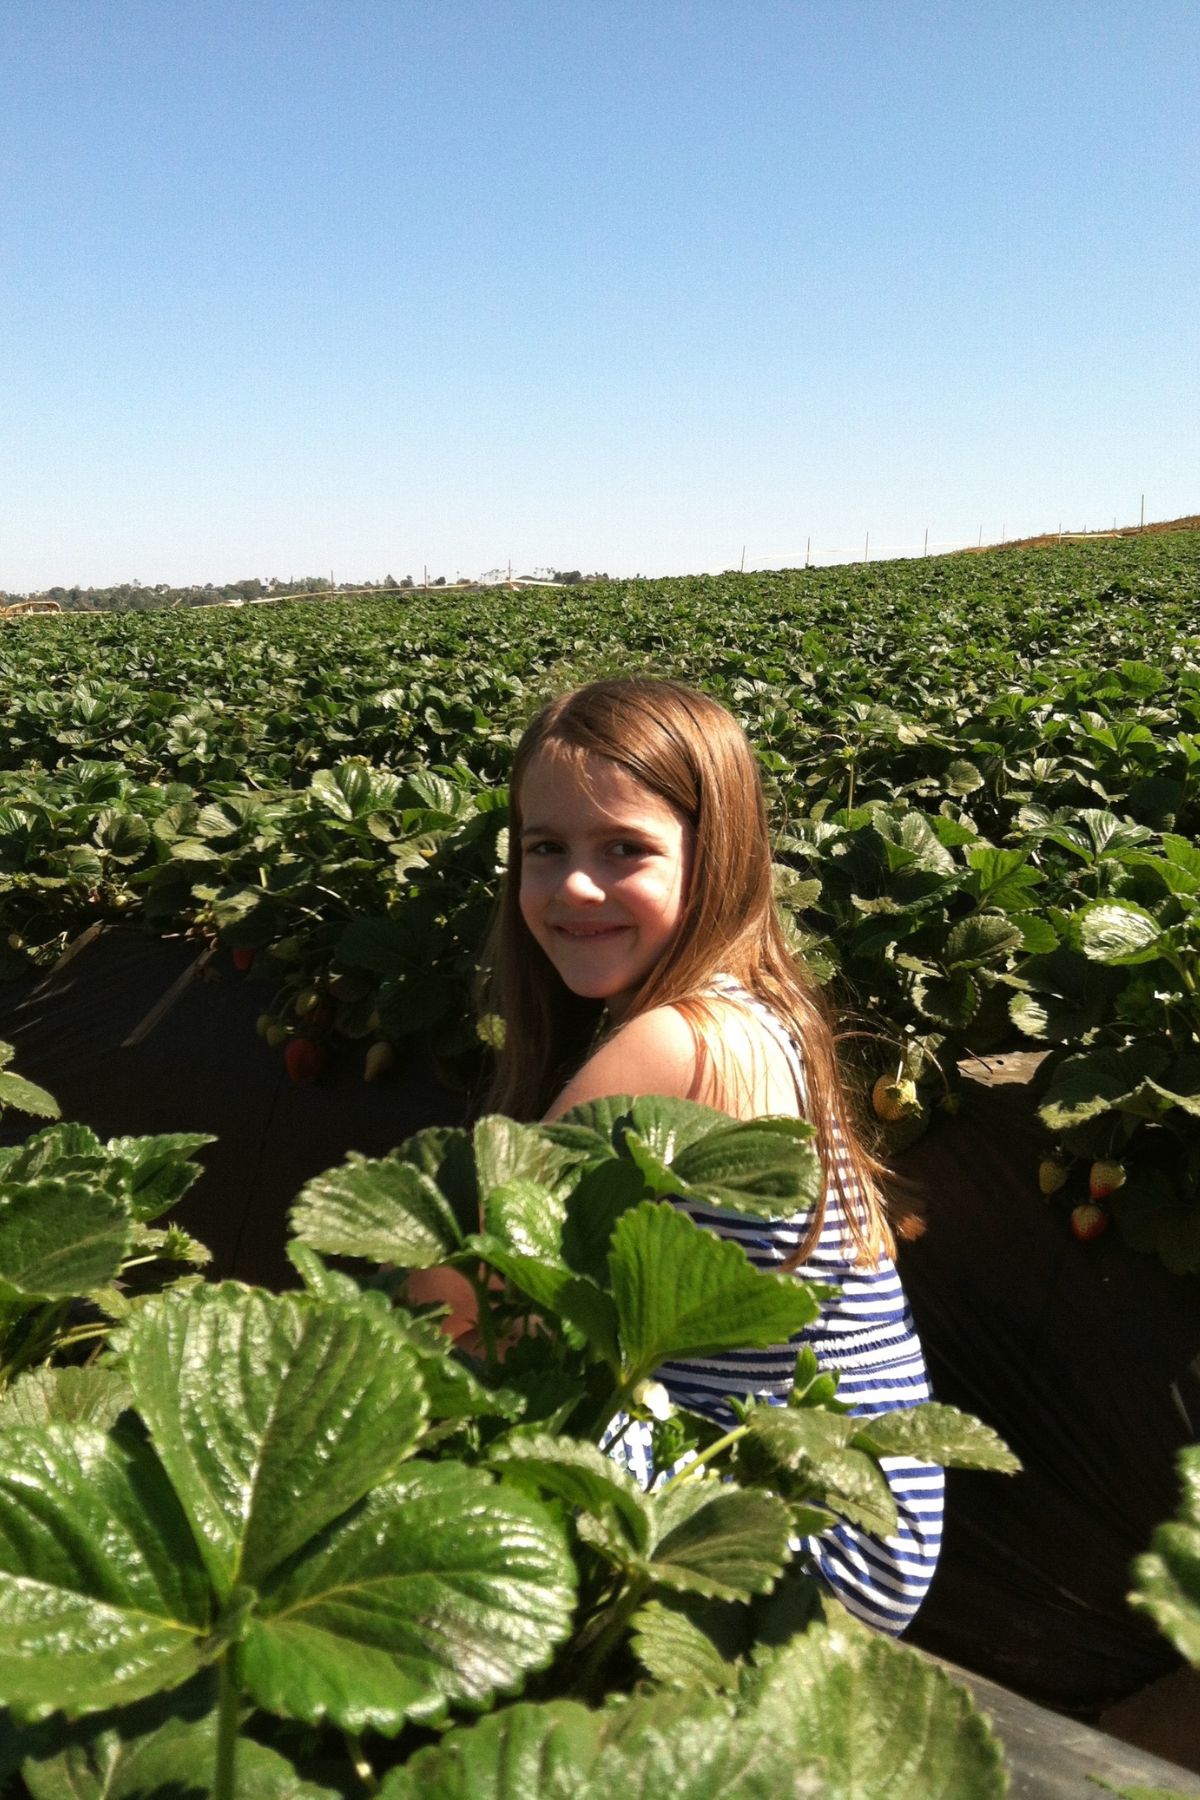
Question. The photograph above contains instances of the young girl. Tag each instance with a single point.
(638, 951)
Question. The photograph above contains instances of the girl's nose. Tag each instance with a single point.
(579, 885)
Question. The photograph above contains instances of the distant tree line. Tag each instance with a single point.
(132, 596)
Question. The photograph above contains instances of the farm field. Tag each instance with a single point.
(983, 774)
(983, 769)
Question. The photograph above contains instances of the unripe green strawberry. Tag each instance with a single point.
(15, 941)
(895, 1099)
(1105, 1178)
(276, 1034)
(307, 1001)
(1088, 1221)
(1051, 1175)
(263, 1024)
(380, 1058)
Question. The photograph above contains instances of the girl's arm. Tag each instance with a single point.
(655, 1053)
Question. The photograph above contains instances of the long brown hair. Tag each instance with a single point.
(687, 749)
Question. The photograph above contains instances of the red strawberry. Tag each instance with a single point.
(305, 1060)
(1105, 1179)
(243, 959)
(1088, 1221)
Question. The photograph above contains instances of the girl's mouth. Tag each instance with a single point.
(587, 931)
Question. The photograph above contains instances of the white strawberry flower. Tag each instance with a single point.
(653, 1396)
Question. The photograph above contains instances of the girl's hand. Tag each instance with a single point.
(431, 1287)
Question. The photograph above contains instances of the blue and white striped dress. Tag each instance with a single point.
(865, 1334)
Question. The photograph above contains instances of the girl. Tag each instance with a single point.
(637, 951)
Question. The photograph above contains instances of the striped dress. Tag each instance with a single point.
(864, 1334)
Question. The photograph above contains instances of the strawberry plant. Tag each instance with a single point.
(296, 1540)
(1167, 1578)
(985, 772)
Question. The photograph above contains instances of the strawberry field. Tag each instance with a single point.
(292, 1544)
(984, 773)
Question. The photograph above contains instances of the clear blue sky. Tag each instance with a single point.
(367, 285)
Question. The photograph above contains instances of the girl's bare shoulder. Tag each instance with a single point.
(723, 1057)
(657, 1052)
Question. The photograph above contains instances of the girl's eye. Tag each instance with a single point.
(626, 847)
(546, 847)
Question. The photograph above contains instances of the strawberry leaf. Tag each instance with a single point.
(441, 1586)
(683, 1291)
(1168, 1576)
(271, 1413)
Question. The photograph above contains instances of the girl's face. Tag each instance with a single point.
(604, 873)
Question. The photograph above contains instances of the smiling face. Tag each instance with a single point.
(604, 873)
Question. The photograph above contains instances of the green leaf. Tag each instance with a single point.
(765, 1167)
(272, 1413)
(384, 1210)
(982, 938)
(26, 1096)
(952, 1002)
(66, 1396)
(521, 1753)
(1155, 1218)
(1001, 879)
(577, 1473)
(665, 1125)
(602, 1193)
(102, 1595)
(674, 1650)
(442, 1586)
(352, 790)
(41, 1154)
(1097, 1081)
(445, 1154)
(452, 1391)
(59, 1236)
(161, 1170)
(710, 1537)
(881, 1722)
(1168, 1576)
(1181, 1084)
(1183, 853)
(506, 1151)
(124, 835)
(527, 1217)
(683, 1291)
(814, 1445)
(1112, 931)
(936, 1434)
(1046, 1017)
(682, 1745)
(1038, 936)
(962, 777)
(173, 1761)
(914, 837)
